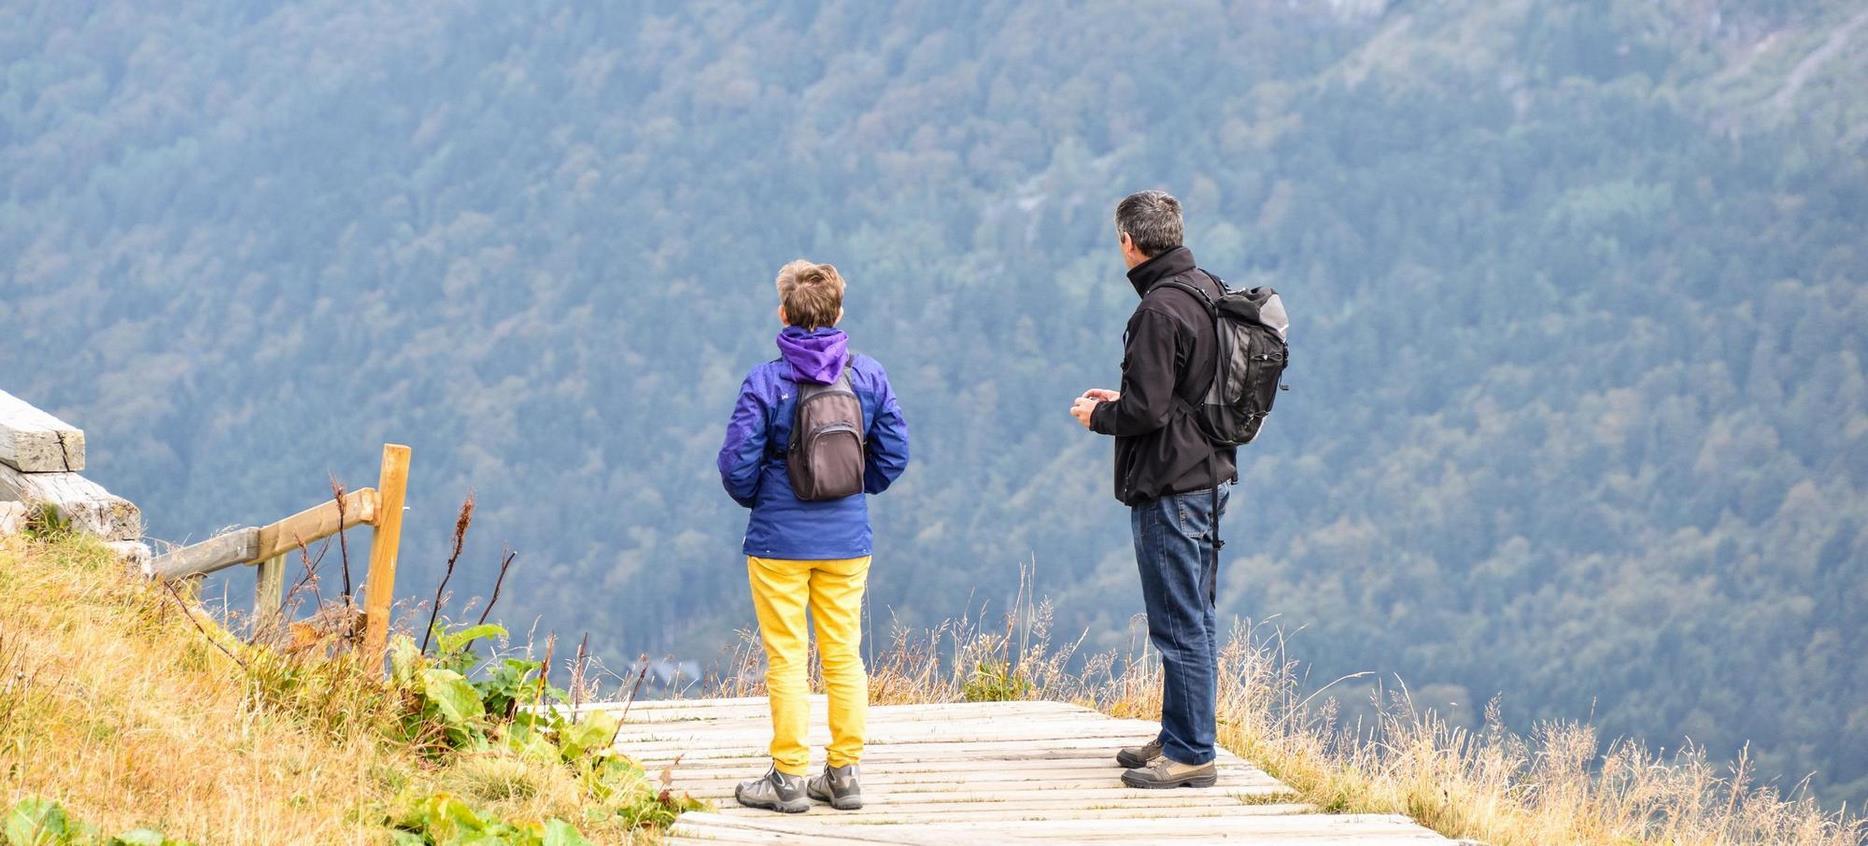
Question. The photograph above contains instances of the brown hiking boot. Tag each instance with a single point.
(775, 791)
(1130, 757)
(839, 786)
(1164, 772)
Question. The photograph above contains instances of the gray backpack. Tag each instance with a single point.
(825, 454)
(1249, 370)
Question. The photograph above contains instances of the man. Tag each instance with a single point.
(1166, 472)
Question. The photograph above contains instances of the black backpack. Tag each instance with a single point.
(825, 454)
(1250, 326)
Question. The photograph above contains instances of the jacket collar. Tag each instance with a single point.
(1148, 274)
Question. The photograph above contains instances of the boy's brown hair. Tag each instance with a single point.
(811, 293)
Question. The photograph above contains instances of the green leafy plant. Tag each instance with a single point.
(42, 822)
(996, 680)
(45, 522)
(442, 819)
(505, 705)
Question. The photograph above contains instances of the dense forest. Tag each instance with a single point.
(1579, 415)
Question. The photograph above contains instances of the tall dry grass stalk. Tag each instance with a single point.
(1559, 785)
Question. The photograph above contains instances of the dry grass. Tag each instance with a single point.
(1561, 785)
(118, 705)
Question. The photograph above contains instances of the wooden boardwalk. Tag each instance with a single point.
(996, 772)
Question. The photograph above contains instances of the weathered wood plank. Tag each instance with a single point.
(268, 597)
(741, 723)
(650, 713)
(1383, 828)
(36, 442)
(1013, 811)
(216, 553)
(793, 831)
(316, 523)
(83, 503)
(897, 763)
(380, 585)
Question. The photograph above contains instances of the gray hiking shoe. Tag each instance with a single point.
(1165, 772)
(1130, 757)
(774, 791)
(838, 786)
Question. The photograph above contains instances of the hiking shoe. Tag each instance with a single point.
(1165, 772)
(1130, 757)
(774, 791)
(838, 786)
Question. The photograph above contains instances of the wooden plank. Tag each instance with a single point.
(701, 821)
(1382, 827)
(216, 553)
(888, 759)
(84, 504)
(380, 589)
(268, 597)
(745, 722)
(316, 523)
(990, 782)
(1038, 800)
(1009, 812)
(36, 442)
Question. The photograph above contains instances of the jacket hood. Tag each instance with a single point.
(815, 355)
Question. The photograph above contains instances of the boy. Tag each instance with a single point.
(810, 552)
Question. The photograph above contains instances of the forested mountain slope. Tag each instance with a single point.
(1579, 413)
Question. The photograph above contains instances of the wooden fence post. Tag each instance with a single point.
(268, 597)
(380, 588)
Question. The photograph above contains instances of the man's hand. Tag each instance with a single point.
(1086, 404)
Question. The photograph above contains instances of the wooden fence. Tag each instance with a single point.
(268, 547)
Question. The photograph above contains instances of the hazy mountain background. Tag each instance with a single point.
(1580, 416)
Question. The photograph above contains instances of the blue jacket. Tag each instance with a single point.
(752, 460)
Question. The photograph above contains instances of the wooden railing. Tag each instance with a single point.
(267, 546)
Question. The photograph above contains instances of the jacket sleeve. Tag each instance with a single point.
(1149, 357)
(887, 441)
(743, 453)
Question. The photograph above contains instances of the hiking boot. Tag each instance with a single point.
(838, 786)
(774, 791)
(1130, 757)
(1165, 772)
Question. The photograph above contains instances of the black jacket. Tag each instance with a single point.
(1167, 365)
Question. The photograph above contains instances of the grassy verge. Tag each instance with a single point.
(126, 714)
(1560, 785)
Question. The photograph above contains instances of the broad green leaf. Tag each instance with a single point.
(561, 833)
(37, 822)
(407, 838)
(455, 641)
(592, 732)
(449, 820)
(452, 695)
(141, 837)
(404, 659)
(532, 746)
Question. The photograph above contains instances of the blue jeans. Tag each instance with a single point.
(1174, 549)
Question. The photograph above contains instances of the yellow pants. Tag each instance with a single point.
(833, 590)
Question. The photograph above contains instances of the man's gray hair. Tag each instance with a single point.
(1152, 221)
